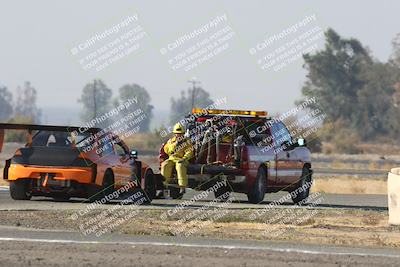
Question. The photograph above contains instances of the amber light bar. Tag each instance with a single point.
(230, 112)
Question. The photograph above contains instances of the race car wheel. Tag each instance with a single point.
(139, 196)
(299, 195)
(20, 189)
(257, 191)
(136, 196)
(61, 197)
(223, 193)
(96, 192)
(149, 185)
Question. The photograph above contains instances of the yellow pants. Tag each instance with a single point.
(167, 167)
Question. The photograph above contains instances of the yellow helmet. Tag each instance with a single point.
(178, 129)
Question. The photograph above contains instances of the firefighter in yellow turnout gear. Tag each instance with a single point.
(179, 150)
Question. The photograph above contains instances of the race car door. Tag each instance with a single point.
(287, 166)
(122, 167)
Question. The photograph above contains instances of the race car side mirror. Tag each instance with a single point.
(134, 154)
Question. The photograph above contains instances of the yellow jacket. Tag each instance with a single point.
(181, 149)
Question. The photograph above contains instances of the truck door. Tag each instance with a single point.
(288, 167)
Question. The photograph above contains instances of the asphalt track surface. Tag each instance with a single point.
(361, 201)
(53, 248)
(22, 246)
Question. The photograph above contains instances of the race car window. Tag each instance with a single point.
(120, 150)
(51, 139)
(107, 149)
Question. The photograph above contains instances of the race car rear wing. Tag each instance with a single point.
(37, 127)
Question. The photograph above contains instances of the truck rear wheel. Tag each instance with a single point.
(302, 190)
(20, 189)
(257, 191)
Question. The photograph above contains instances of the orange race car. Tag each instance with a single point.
(61, 162)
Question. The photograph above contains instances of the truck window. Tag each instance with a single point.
(257, 133)
(280, 134)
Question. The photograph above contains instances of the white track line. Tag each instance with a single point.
(294, 250)
(4, 188)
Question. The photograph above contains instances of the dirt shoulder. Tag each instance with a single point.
(367, 228)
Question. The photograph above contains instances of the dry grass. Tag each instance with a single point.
(349, 185)
(327, 226)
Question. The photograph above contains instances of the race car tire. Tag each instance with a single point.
(302, 195)
(96, 192)
(149, 185)
(257, 192)
(61, 197)
(20, 189)
(135, 196)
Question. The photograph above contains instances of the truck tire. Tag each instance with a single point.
(20, 189)
(223, 193)
(257, 191)
(305, 178)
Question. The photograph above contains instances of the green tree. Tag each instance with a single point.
(395, 57)
(96, 100)
(6, 108)
(18, 135)
(334, 76)
(376, 114)
(395, 61)
(139, 94)
(352, 88)
(25, 105)
(197, 97)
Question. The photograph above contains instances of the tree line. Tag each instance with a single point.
(359, 94)
(97, 99)
(20, 108)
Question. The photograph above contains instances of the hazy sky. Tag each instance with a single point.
(36, 38)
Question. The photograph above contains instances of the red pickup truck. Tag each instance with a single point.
(254, 153)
